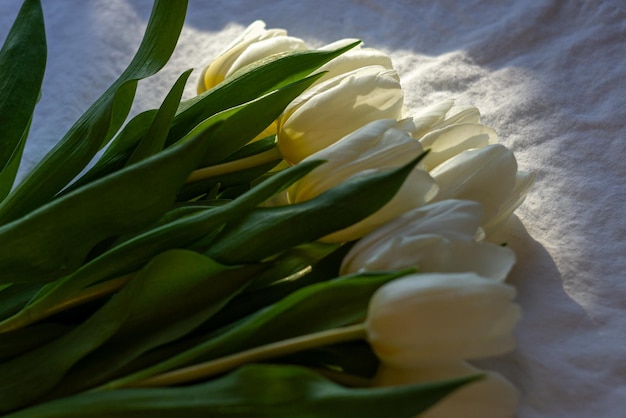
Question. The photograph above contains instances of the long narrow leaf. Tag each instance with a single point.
(155, 137)
(255, 391)
(22, 65)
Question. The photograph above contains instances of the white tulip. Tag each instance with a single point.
(330, 110)
(491, 397)
(437, 237)
(446, 135)
(487, 175)
(379, 145)
(254, 44)
(422, 319)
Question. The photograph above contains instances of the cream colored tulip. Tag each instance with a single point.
(446, 135)
(379, 145)
(437, 237)
(428, 318)
(254, 44)
(487, 175)
(491, 397)
(330, 110)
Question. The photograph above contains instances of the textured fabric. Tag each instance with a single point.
(548, 75)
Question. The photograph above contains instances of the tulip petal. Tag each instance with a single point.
(464, 114)
(430, 116)
(523, 183)
(263, 49)
(451, 140)
(486, 175)
(353, 60)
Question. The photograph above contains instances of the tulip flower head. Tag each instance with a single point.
(380, 145)
(468, 163)
(437, 237)
(429, 318)
(487, 175)
(254, 44)
(332, 109)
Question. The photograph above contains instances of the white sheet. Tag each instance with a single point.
(548, 75)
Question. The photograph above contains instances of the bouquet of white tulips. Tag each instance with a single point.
(291, 242)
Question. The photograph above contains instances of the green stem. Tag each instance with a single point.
(237, 165)
(264, 352)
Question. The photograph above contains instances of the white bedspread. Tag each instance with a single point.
(548, 75)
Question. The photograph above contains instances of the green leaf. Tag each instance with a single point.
(92, 131)
(315, 308)
(154, 140)
(246, 240)
(182, 289)
(116, 155)
(22, 65)
(254, 391)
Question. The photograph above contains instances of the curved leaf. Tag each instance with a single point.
(255, 391)
(22, 65)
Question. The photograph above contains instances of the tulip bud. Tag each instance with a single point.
(330, 110)
(491, 397)
(379, 145)
(430, 318)
(438, 237)
(254, 44)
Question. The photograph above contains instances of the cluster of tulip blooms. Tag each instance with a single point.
(424, 326)
(292, 241)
